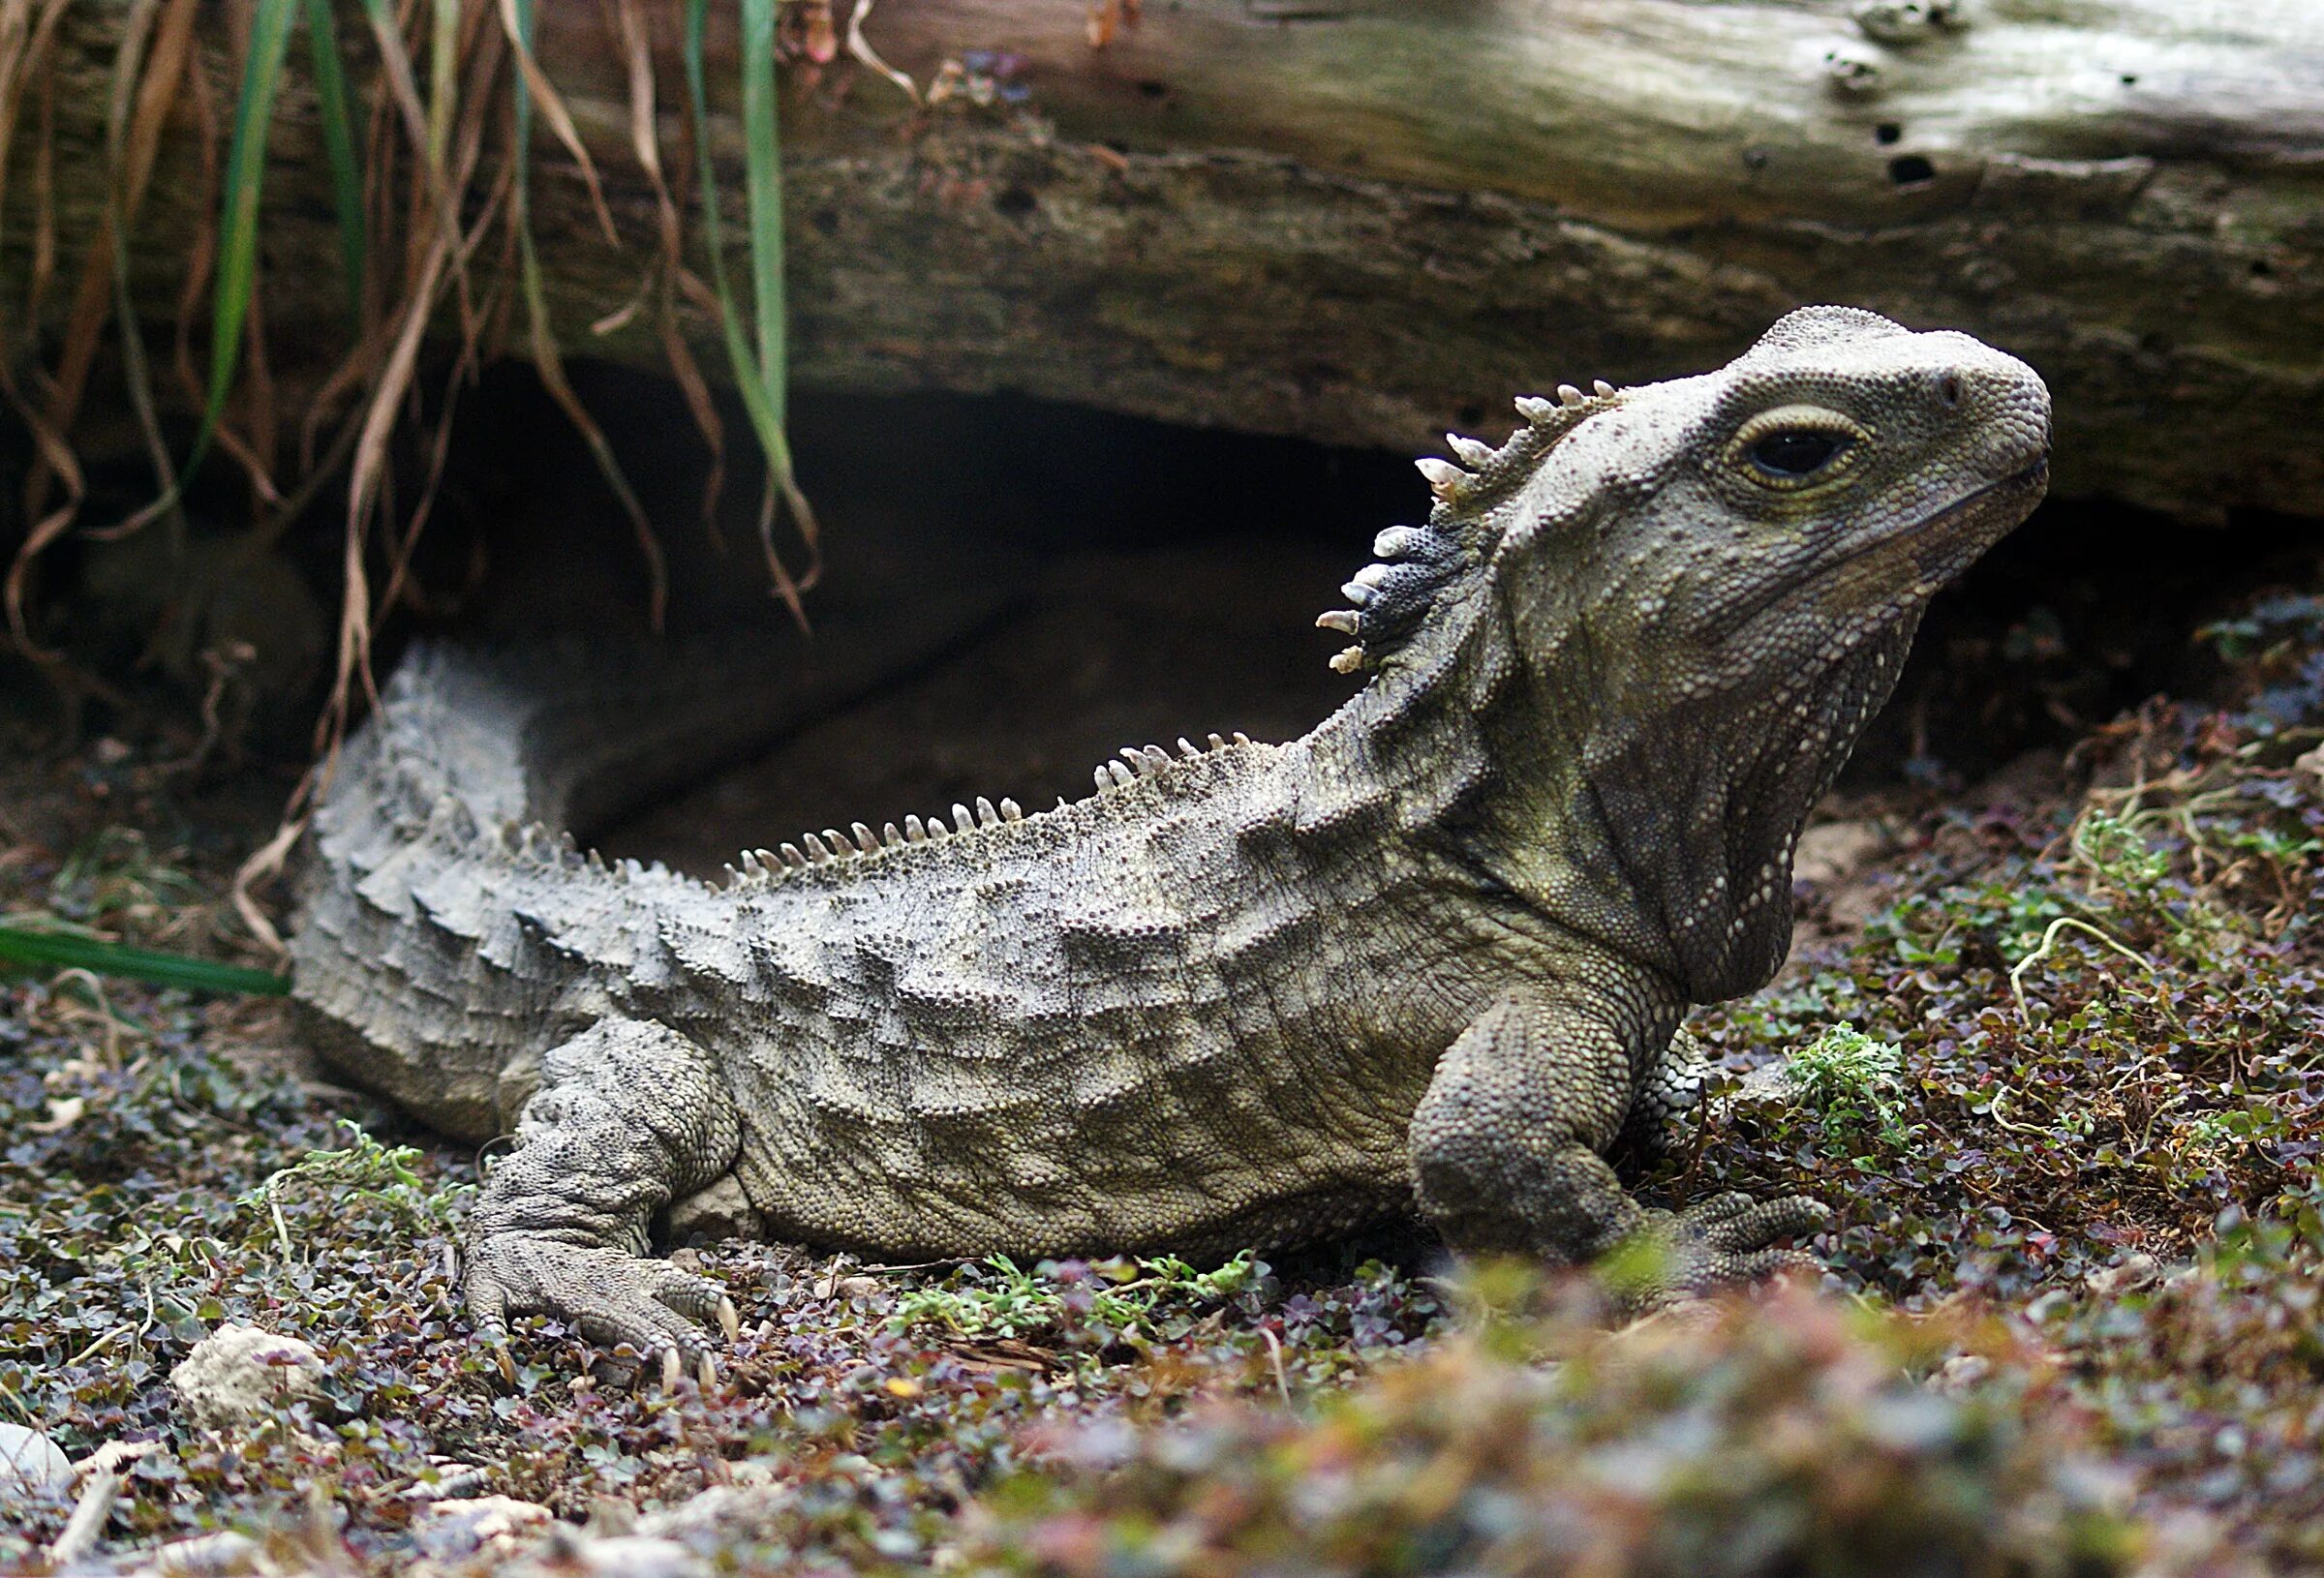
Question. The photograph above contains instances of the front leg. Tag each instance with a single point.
(1508, 1153)
(629, 1116)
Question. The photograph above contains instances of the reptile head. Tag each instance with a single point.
(1682, 602)
(1749, 527)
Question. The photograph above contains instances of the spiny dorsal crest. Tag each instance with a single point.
(834, 847)
(1145, 761)
(1415, 562)
(858, 840)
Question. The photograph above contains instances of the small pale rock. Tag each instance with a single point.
(2311, 763)
(2134, 1272)
(242, 1373)
(720, 1211)
(462, 1526)
(208, 1556)
(639, 1556)
(1960, 1373)
(30, 1461)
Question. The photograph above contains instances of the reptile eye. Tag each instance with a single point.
(1795, 453)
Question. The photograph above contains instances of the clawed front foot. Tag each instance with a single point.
(1725, 1242)
(613, 1298)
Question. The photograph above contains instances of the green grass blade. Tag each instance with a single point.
(750, 374)
(762, 164)
(63, 950)
(238, 215)
(339, 149)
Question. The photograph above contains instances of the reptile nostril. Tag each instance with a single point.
(1949, 390)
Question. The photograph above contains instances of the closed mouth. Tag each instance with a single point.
(1966, 505)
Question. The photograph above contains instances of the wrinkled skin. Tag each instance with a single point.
(1434, 952)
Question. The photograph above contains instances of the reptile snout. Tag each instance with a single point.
(2003, 405)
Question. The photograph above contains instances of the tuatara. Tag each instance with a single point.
(1434, 952)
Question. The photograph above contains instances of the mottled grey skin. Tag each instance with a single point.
(1434, 951)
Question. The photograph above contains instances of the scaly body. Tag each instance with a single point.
(1432, 954)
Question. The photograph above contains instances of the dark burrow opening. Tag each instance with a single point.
(1120, 581)
(1165, 581)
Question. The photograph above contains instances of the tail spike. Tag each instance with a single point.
(818, 853)
(988, 815)
(1010, 810)
(1156, 758)
(915, 831)
(962, 821)
(841, 844)
(1568, 395)
(794, 857)
(1535, 410)
(1217, 743)
(937, 828)
(891, 836)
(1601, 388)
(1187, 750)
(865, 838)
(1102, 777)
(1242, 738)
(1473, 452)
(1120, 774)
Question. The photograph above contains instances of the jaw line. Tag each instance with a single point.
(1965, 507)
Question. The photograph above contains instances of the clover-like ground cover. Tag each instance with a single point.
(2063, 1089)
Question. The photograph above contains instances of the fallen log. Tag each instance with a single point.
(1368, 222)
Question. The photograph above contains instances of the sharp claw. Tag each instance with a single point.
(729, 1322)
(707, 1372)
(673, 1369)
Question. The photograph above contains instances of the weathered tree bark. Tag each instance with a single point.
(1367, 222)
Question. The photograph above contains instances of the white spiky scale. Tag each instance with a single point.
(1187, 749)
(1601, 388)
(1394, 542)
(915, 831)
(1473, 452)
(1535, 410)
(1445, 480)
(1010, 810)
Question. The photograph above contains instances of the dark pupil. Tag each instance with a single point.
(1793, 454)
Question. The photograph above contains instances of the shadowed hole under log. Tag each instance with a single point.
(1161, 581)
(1170, 578)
